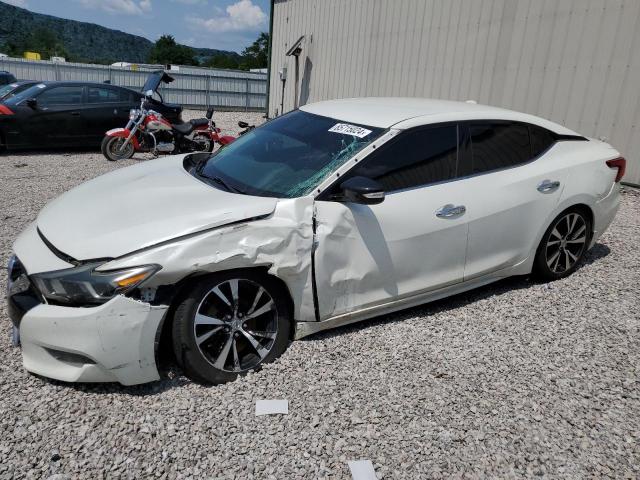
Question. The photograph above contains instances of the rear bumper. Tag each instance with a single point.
(605, 211)
(114, 342)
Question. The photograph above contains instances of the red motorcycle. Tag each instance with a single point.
(149, 131)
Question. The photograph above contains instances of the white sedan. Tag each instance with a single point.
(336, 212)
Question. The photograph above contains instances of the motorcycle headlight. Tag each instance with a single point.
(84, 285)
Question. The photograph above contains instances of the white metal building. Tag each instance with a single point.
(576, 62)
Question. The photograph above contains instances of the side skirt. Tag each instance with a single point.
(304, 329)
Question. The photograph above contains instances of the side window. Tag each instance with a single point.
(70, 95)
(418, 157)
(541, 140)
(127, 96)
(102, 95)
(498, 145)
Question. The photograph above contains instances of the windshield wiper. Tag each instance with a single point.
(228, 187)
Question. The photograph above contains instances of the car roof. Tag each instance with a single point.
(403, 113)
(23, 82)
(50, 83)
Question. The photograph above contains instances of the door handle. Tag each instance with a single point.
(451, 211)
(548, 186)
(75, 114)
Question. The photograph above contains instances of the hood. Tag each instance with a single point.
(154, 80)
(140, 206)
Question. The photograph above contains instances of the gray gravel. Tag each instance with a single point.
(512, 380)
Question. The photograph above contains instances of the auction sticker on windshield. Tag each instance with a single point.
(347, 129)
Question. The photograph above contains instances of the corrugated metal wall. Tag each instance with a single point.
(193, 87)
(576, 62)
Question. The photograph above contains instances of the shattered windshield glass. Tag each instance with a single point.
(287, 157)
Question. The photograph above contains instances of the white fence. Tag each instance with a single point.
(193, 87)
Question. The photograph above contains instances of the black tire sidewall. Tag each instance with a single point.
(185, 348)
(541, 270)
(105, 147)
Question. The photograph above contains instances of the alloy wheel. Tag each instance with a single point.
(566, 242)
(236, 325)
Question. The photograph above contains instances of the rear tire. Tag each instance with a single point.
(563, 245)
(206, 140)
(111, 149)
(230, 323)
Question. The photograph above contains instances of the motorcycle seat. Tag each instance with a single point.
(183, 128)
(199, 122)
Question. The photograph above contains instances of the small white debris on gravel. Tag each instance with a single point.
(272, 407)
(362, 470)
(516, 379)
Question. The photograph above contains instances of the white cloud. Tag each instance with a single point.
(17, 3)
(116, 7)
(242, 15)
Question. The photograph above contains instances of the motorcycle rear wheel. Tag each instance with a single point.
(112, 149)
(207, 142)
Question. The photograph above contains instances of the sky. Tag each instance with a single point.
(222, 24)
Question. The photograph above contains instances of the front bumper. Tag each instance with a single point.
(114, 342)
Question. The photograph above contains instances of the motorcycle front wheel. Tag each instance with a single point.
(113, 151)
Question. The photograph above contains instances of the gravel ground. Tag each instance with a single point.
(516, 379)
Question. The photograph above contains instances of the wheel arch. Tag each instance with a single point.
(173, 294)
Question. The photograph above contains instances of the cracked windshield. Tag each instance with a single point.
(287, 157)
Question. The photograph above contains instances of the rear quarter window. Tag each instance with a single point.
(541, 140)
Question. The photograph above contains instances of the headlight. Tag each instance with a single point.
(84, 285)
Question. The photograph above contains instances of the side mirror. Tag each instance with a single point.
(33, 103)
(209, 113)
(242, 124)
(362, 190)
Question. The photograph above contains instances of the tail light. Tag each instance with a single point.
(4, 110)
(619, 163)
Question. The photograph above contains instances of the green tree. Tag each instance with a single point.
(42, 40)
(222, 61)
(256, 55)
(166, 51)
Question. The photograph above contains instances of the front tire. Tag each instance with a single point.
(229, 324)
(563, 245)
(111, 149)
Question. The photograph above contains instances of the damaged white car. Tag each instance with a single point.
(337, 212)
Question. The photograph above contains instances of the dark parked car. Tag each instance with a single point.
(69, 114)
(6, 77)
(12, 89)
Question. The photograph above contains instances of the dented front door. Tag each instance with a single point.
(366, 255)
